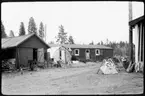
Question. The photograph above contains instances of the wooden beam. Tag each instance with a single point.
(140, 44)
(143, 42)
(130, 32)
(131, 43)
(18, 59)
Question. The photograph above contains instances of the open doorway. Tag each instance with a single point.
(34, 54)
(87, 54)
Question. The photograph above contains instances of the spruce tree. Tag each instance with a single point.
(22, 29)
(62, 36)
(32, 26)
(41, 30)
(92, 43)
(3, 35)
(71, 40)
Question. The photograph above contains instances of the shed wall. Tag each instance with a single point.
(25, 54)
(81, 53)
(92, 55)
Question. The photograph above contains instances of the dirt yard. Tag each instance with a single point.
(80, 79)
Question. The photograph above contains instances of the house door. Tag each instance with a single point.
(40, 55)
(35, 54)
(63, 55)
(87, 54)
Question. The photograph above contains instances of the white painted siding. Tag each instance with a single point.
(135, 41)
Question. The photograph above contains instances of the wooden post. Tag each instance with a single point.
(130, 32)
(17, 58)
(131, 43)
(143, 43)
(140, 44)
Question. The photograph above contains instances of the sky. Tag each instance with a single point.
(85, 21)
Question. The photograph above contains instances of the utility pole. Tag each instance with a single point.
(130, 33)
(130, 11)
(45, 32)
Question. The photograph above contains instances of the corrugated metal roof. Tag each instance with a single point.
(80, 46)
(15, 41)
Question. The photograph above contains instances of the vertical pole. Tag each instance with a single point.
(143, 43)
(130, 11)
(131, 43)
(140, 44)
(17, 57)
(130, 32)
(45, 32)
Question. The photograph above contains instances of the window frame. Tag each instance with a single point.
(75, 52)
(99, 53)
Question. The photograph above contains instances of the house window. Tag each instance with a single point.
(97, 52)
(76, 52)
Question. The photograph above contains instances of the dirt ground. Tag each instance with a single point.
(79, 79)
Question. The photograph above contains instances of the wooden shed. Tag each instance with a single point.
(22, 48)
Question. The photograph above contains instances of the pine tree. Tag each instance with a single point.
(98, 43)
(102, 43)
(22, 29)
(92, 43)
(107, 41)
(3, 35)
(41, 30)
(71, 40)
(11, 34)
(62, 36)
(32, 26)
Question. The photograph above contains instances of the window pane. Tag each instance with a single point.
(76, 51)
(97, 52)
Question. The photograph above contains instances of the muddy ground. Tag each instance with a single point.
(78, 79)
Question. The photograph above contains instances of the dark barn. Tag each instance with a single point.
(88, 52)
(22, 48)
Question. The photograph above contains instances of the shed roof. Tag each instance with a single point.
(81, 46)
(137, 20)
(16, 41)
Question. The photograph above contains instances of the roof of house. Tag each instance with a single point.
(80, 46)
(137, 20)
(15, 41)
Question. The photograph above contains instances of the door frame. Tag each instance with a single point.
(35, 54)
(88, 52)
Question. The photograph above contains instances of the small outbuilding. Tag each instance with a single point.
(22, 49)
(58, 52)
